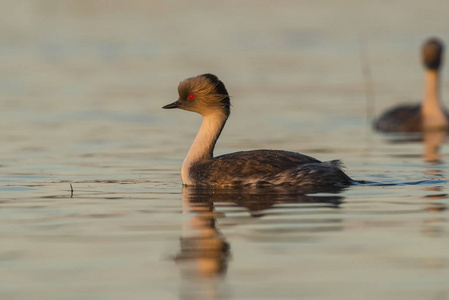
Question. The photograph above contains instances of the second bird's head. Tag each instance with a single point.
(204, 94)
(432, 53)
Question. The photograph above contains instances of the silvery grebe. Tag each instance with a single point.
(207, 95)
(431, 114)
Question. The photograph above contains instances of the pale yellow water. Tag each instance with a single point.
(81, 87)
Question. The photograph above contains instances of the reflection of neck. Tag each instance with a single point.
(432, 110)
(204, 143)
(202, 245)
(432, 142)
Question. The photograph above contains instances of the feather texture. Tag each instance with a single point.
(246, 168)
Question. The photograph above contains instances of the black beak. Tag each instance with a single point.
(172, 105)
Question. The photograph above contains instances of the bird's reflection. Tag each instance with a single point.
(204, 251)
(432, 141)
(432, 144)
(432, 225)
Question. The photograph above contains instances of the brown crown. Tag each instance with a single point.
(432, 53)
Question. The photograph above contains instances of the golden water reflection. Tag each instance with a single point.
(433, 226)
(432, 144)
(204, 250)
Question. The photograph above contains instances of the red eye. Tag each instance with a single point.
(191, 96)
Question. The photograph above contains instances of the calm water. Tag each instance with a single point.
(81, 87)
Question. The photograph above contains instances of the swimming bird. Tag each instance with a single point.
(207, 95)
(430, 115)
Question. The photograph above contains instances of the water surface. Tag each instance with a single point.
(82, 84)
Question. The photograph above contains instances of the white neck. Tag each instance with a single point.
(432, 108)
(204, 143)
